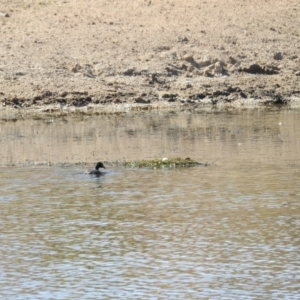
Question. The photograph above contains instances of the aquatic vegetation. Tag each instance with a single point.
(156, 163)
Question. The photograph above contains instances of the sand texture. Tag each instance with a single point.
(95, 52)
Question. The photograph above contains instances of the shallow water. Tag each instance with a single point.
(226, 231)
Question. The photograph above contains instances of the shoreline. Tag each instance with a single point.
(58, 110)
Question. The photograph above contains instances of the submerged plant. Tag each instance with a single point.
(156, 163)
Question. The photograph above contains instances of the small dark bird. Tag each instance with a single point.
(96, 171)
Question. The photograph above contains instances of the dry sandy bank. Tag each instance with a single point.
(149, 52)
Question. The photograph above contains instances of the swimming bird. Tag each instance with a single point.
(96, 171)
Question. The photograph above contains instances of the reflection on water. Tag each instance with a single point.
(242, 135)
(227, 231)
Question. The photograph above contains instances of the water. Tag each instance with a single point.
(226, 231)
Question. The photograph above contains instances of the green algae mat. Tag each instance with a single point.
(176, 162)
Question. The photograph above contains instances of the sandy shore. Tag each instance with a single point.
(149, 53)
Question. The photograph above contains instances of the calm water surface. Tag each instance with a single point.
(226, 231)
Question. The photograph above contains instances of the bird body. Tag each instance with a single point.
(96, 171)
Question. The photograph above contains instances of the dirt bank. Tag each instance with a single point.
(90, 53)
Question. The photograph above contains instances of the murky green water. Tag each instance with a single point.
(226, 231)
